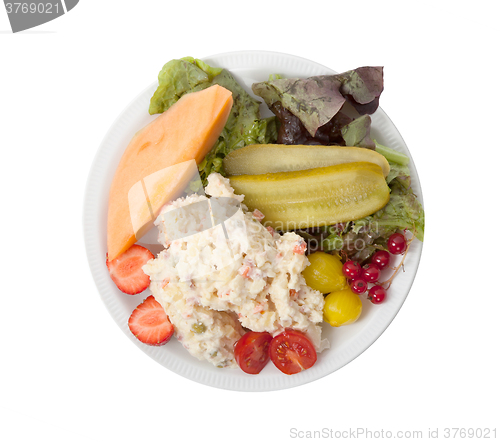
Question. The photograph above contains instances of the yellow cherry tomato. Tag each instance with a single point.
(342, 307)
(324, 273)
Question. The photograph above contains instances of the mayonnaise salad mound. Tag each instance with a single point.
(215, 282)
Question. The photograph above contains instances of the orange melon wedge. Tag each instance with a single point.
(146, 180)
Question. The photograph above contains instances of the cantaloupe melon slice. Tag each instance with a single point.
(150, 192)
(186, 131)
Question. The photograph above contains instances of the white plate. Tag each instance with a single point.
(346, 342)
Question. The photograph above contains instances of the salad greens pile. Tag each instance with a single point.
(327, 109)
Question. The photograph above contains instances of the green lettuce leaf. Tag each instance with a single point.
(391, 154)
(403, 211)
(244, 113)
(398, 162)
(357, 133)
(399, 173)
(178, 77)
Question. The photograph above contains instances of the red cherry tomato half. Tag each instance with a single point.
(251, 351)
(292, 352)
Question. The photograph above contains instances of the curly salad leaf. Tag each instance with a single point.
(178, 77)
(311, 110)
(243, 127)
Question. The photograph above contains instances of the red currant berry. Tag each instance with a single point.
(396, 244)
(351, 269)
(359, 286)
(376, 294)
(370, 273)
(381, 259)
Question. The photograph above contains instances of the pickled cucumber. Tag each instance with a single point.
(314, 197)
(258, 159)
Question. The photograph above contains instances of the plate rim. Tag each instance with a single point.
(246, 383)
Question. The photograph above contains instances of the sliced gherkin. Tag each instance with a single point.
(315, 197)
(257, 159)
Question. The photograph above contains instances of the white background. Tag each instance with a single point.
(69, 374)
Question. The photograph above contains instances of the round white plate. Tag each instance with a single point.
(346, 342)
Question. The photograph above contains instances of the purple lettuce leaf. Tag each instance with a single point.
(292, 131)
(316, 100)
(313, 100)
(362, 87)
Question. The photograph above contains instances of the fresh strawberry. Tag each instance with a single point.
(150, 324)
(126, 270)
